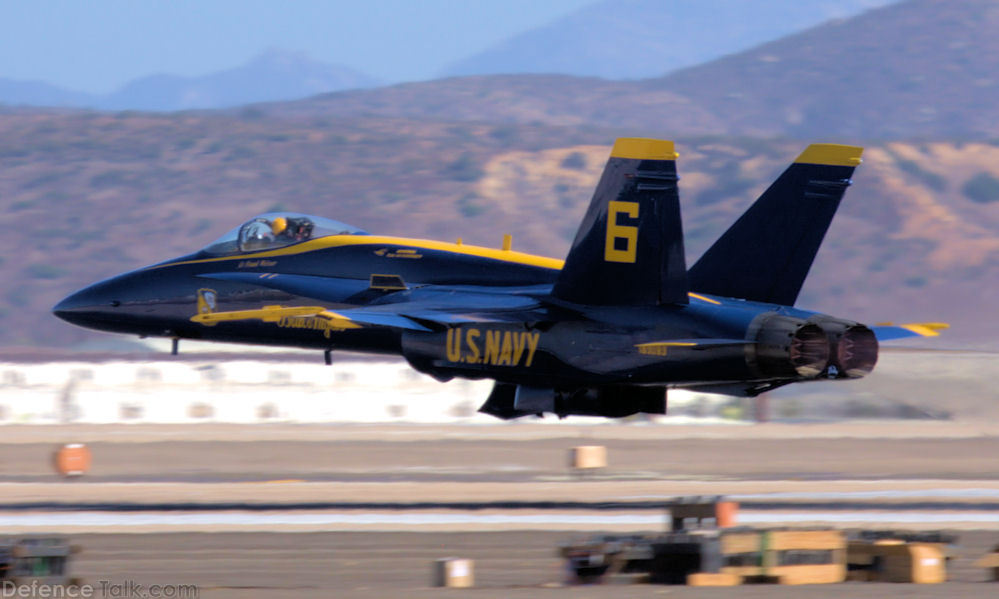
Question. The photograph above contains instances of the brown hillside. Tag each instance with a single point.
(85, 196)
(550, 100)
(922, 68)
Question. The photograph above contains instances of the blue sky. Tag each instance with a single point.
(97, 45)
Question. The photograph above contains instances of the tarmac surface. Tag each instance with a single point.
(508, 453)
(508, 565)
(139, 513)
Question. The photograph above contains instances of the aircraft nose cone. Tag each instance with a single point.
(85, 307)
(67, 306)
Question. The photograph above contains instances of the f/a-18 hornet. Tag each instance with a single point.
(605, 332)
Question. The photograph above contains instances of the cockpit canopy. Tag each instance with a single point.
(275, 230)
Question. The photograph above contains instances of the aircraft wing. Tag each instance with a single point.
(320, 288)
(891, 332)
(339, 320)
(412, 318)
(419, 309)
(427, 315)
(443, 301)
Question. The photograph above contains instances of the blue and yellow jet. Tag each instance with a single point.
(605, 332)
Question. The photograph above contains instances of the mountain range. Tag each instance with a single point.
(613, 39)
(638, 39)
(272, 76)
(912, 70)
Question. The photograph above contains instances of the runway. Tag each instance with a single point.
(285, 511)
(291, 521)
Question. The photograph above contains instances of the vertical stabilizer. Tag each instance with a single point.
(765, 256)
(629, 248)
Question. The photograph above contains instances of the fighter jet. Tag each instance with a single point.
(606, 332)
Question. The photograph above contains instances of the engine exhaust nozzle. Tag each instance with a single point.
(788, 347)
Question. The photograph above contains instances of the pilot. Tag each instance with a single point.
(279, 227)
(291, 229)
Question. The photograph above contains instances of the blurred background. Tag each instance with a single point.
(134, 132)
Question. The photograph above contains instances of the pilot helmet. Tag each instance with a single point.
(278, 225)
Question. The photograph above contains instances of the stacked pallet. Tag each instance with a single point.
(899, 556)
(785, 556)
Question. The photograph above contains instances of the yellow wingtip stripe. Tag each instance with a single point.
(831, 154)
(926, 329)
(641, 148)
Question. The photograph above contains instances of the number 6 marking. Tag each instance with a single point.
(628, 233)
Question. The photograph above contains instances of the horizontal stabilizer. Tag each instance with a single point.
(766, 255)
(891, 332)
(629, 247)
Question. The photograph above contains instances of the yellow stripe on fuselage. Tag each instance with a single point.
(661, 348)
(334, 241)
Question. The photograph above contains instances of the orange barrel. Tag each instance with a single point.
(72, 459)
(725, 513)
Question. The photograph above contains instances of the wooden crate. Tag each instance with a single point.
(713, 579)
(807, 540)
(588, 457)
(991, 562)
(772, 553)
(920, 563)
(454, 573)
(782, 540)
(897, 561)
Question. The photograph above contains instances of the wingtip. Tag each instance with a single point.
(831, 154)
(641, 148)
(926, 329)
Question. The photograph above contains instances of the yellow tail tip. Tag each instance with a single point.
(831, 154)
(641, 148)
